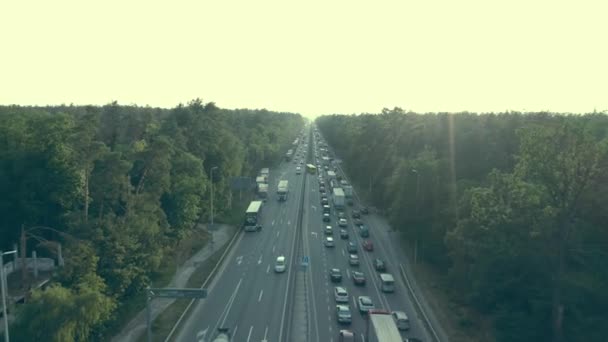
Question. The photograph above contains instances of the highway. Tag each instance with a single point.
(257, 304)
(247, 296)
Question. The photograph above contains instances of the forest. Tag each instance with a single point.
(511, 209)
(118, 187)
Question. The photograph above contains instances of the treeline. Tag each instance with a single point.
(512, 208)
(118, 187)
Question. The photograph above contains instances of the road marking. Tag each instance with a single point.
(260, 260)
(265, 334)
(235, 329)
(289, 223)
(314, 207)
(202, 334)
(343, 253)
(268, 269)
(273, 247)
(228, 306)
(272, 223)
(249, 336)
(348, 273)
(278, 233)
(239, 259)
(260, 296)
(354, 302)
(314, 234)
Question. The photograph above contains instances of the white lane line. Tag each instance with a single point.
(289, 223)
(202, 334)
(239, 259)
(272, 223)
(260, 260)
(347, 273)
(343, 253)
(260, 296)
(278, 233)
(273, 248)
(249, 336)
(354, 302)
(265, 334)
(268, 269)
(228, 307)
(234, 331)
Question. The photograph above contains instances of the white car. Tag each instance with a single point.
(329, 230)
(298, 170)
(340, 294)
(403, 323)
(329, 242)
(342, 222)
(353, 260)
(280, 265)
(365, 304)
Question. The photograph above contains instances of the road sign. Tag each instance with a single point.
(305, 260)
(178, 293)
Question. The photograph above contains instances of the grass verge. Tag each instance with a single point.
(459, 322)
(163, 324)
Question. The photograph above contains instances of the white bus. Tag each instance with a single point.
(252, 216)
(387, 282)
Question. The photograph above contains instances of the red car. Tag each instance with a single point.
(368, 245)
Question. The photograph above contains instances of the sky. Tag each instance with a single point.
(310, 57)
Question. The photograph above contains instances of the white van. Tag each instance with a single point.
(387, 282)
(280, 266)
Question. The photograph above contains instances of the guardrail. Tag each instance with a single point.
(410, 289)
(205, 283)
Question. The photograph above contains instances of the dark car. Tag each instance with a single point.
(351, 247)
(358, 278)
(336, 275)
(364, 211)
(341, 214)
(324, 201)
(326, 217)
(363, 231)
(343, 234)
(368, 245)
(379, 265)
(357, 221)
(356, 214)
(322, 189)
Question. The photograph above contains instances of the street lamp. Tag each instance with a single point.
(417, 201)
(4, 288)
(211, 176)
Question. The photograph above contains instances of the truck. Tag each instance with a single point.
(381, 327)
(338, 198)
(283, 190)
(348, 191)
(263, 191)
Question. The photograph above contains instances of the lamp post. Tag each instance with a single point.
(417, 201)
(211, 176)
(4, 288)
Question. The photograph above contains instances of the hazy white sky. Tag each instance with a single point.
(311, 57)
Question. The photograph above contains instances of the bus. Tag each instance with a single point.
(311, 168)
(387, 282)
(252, 216)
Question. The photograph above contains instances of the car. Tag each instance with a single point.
(357, 222)
(329, 242)
(280, 266)
(340, 294)
(365, 304)
(343, 234)
(298, 170)
(341, 215)
(343, 314)
(379, 265)
(358, 278)
(324, 201)
(351, 247)
(401, 319)
(368, 245)
(322, 189)
(326, 217)
(356, 214)
(342, 222)
(353, 259)
(335, 275)
(412, 339)
(326, 208)
(363, 231)
(364, 211)
(346, 336)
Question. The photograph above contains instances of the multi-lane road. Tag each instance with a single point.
(257, 304)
